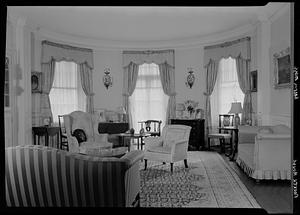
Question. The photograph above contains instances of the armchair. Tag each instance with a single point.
(264, 152)
(170, 147)
(89, 123)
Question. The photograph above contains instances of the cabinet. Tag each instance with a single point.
(196, 140)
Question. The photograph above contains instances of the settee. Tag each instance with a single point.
(40, 176)
(264, 152)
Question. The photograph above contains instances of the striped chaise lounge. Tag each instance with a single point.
(39, 176)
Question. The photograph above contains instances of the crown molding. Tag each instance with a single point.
(100, 44)
(280, 12)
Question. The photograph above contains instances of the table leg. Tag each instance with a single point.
(57, 139)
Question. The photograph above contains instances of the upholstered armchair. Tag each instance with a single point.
(170, 147)
(89, 124)
(264, 152)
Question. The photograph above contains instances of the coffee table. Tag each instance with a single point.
(139, 137)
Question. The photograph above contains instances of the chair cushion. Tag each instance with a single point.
(160, 149)
(281, 129)
(219, 135)
(265, 130)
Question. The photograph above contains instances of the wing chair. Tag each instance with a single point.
(170, 147)
(87, 122)
(264, 152)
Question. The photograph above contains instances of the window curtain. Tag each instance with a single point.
(86, 77)
(166, 61)
(212, 55)
(52, 52)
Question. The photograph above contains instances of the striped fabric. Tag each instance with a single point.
(39, 176)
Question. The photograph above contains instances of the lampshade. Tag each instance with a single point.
(236, 107)
(180, 107)
(121, 110)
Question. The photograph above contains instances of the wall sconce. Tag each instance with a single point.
(107, 79)
(190, 79)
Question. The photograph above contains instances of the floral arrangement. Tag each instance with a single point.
(190, 106)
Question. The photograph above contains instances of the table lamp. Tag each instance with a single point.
(180, 107)
(121, 111)
(236, 108)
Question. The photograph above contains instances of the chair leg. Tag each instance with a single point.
(185, 163)
(145, 164)
(208, 143)
(171, 167)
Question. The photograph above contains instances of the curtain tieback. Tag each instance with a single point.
(126, 94)
(173, 94)
(91, 94)
(206, 94)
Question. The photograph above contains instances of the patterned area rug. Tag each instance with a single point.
(207, 182)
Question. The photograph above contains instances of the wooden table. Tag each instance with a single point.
(139, 137)
(236, 139)
(47, 132)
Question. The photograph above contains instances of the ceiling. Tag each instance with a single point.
(141, 24)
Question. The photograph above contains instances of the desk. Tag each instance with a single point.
(236, 139)
(133, 136)
(47, 132)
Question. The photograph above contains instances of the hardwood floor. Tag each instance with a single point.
(273, 196)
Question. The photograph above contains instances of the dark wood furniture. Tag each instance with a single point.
(47, 132)
(63, 136)
(196, 140)
(225, 130)
(234, 147)
(139, 137)
(151, 127)
(113, 127)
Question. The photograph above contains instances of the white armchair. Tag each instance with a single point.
(264, 152)
(89, 124)
(170, 147)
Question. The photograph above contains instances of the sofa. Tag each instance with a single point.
(40, 176)
(264, 152)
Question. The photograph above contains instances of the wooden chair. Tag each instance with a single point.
(152, 127)
(63, 135)
(225, 120)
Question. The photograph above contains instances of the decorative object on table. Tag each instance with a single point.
(121, 112)
(107, 79)
(47, 121)
(190, 106)
(190, 79)
(131, 131)
(36, 82)
(249, 121)
(253, 81)
(282, 69)
(199, 113)
(180, 107)
(142, 131)
(236, 108)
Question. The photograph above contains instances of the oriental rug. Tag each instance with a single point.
(207, 182)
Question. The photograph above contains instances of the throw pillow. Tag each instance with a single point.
(80, 135)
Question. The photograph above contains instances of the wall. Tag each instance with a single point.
(280, 108)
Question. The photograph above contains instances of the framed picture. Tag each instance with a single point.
(101, 115)
(282, 69)
(36, 82)
(253, 81)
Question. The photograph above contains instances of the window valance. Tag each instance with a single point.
(59, 52)
(157, 56)
(229, 49)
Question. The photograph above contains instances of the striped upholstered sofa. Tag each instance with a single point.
(39, 176)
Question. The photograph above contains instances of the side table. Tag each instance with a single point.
(139, 137)
(47, 132)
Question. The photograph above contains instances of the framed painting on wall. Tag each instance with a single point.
(253, 81)
(282, 69)
(36, 82)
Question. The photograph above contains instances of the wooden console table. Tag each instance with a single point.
(47, 132)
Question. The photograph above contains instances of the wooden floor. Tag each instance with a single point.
(273, 196)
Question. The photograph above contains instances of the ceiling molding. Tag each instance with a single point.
(280, 12)
(98, 44)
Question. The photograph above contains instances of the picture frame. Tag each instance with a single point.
(253, 81)
(36, 82)
(282, 69)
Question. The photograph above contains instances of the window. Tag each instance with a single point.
(226, 90)
(148, 100)
(66, 94)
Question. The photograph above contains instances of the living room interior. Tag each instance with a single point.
(215, 82)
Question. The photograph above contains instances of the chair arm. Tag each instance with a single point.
(273, 136)
(73, 144)
(132, 157)
(152, 141)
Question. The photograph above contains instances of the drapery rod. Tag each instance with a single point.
(65, 46)
(227, 43)
(149, 51)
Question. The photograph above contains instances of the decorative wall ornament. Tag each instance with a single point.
(36, 82)
(107, 79)
(190, 79)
